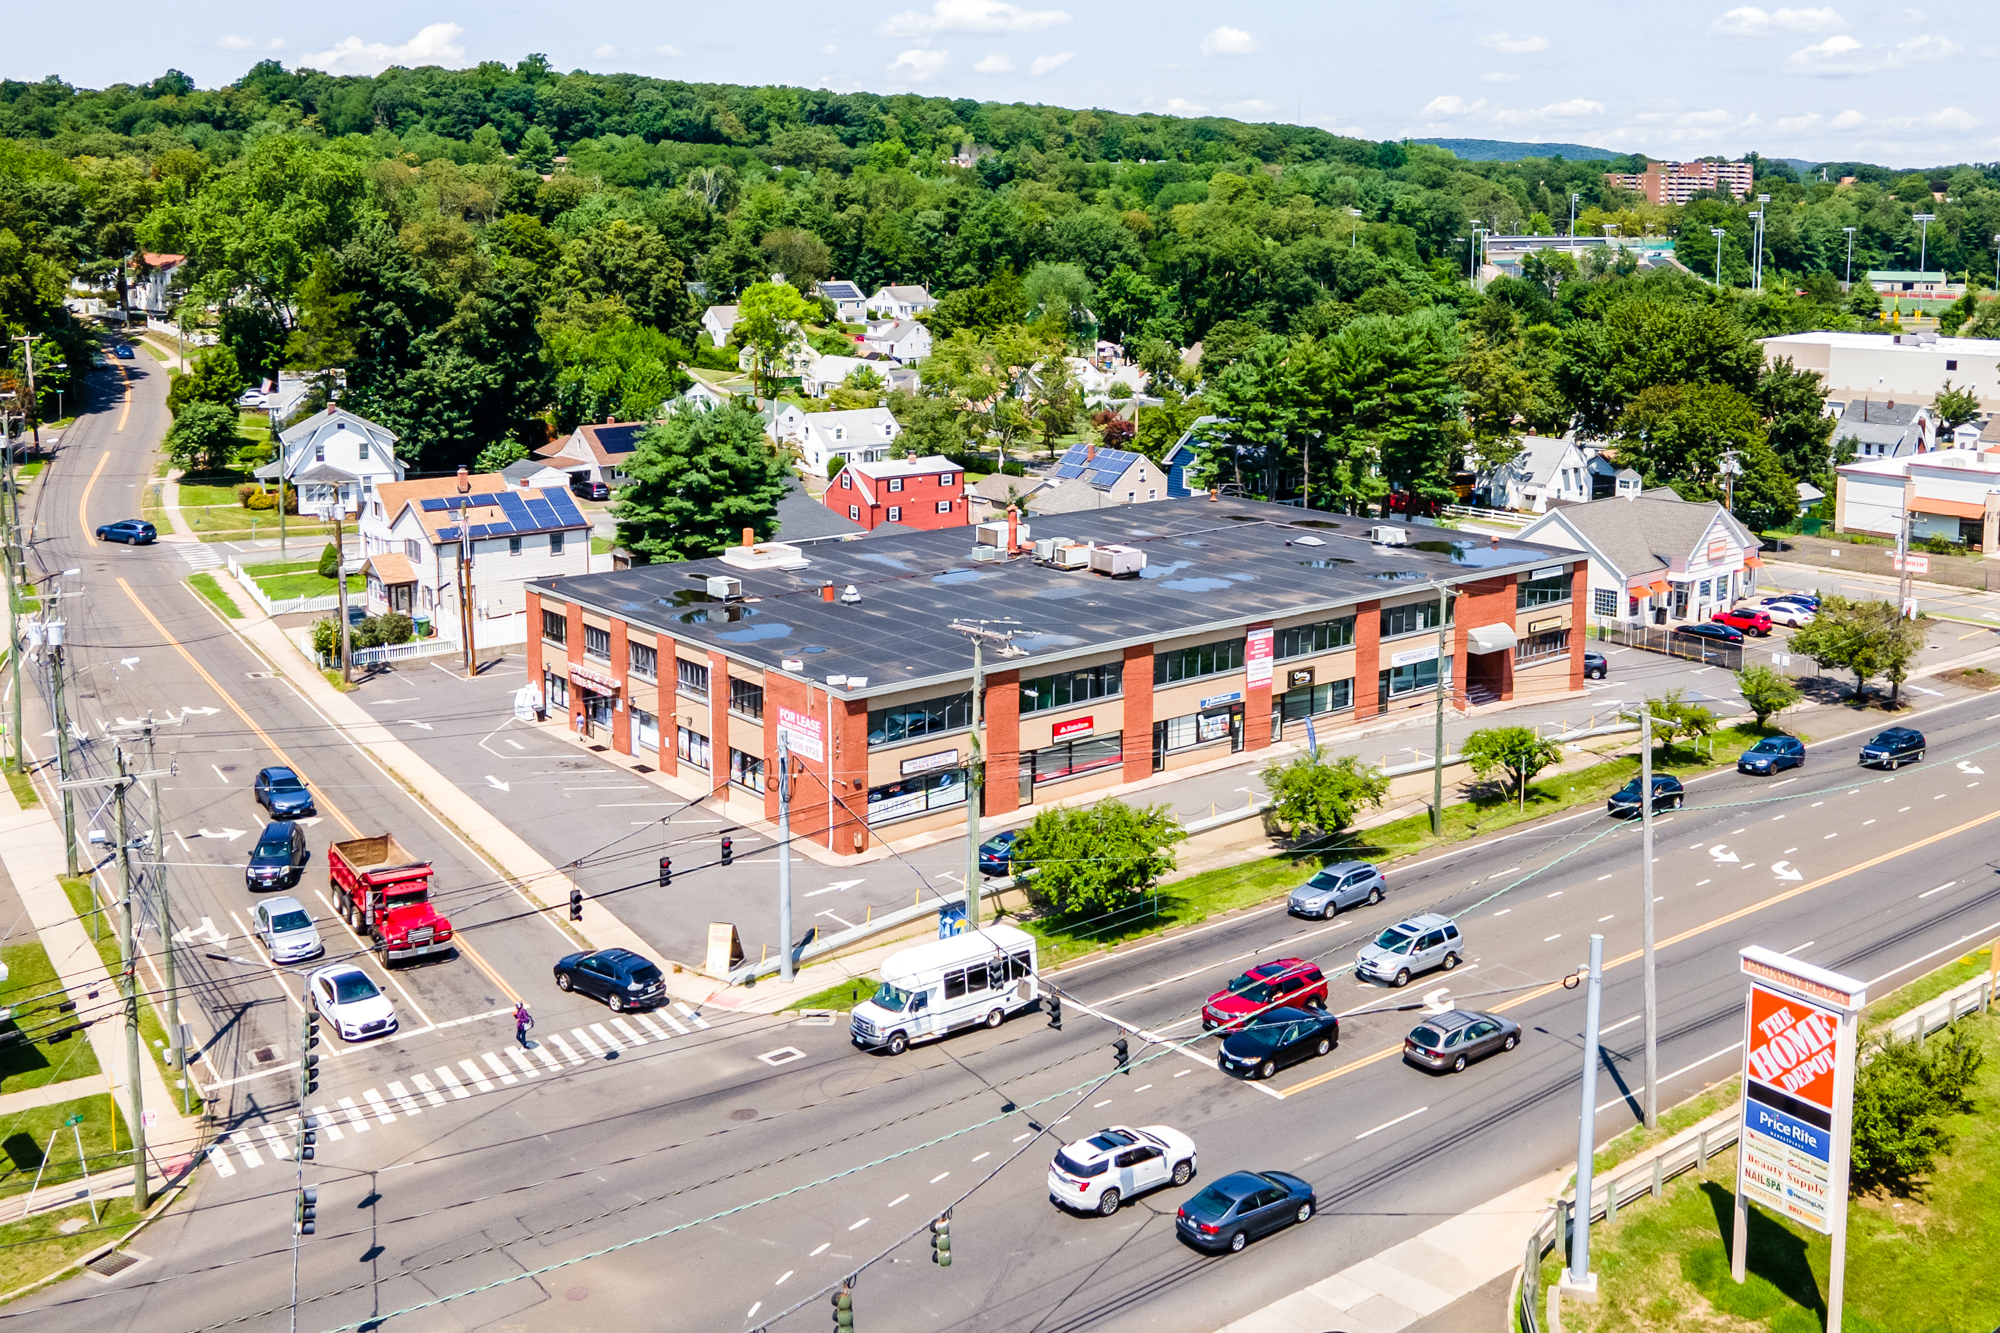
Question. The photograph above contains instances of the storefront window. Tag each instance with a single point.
(746, 770)
(1553, 643)
(555, 690)
(1413, 678)
(1323, 636)
(1067, 759)
(648, 729)
(1335, 696)
(692, 747)
(930, 717)
(916, 796)
(1072, 687)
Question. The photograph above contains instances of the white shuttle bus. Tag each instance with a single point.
(981, 976)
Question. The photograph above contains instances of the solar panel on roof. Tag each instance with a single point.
(433, 506)
(447, 534)
(566, 511)
(512, 506)
(542, 514)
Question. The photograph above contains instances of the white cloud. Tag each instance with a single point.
(988, 16)
(1750, 21)
(1950, 118)
(1843, 55)
(1576, 108)
(231, 42)
(1499, 76)
(1229, 42)
(997, 63)
(275, 44)
(1509, 45)
(1043, 64)
(436, 44)
(920, 65)
(829, 50)
(1796, 124)
(1848, 119)
(1180, 106)
(605, 51)
(1258, 105)
(1905, 16)
(665, 50)
(1452, 105)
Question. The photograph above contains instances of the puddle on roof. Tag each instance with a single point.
(1316, 523)
(813, 648)
(1197, 585)
(958, 576)
(1325, 562)
(686, 597)
(1243, 518)
(1398, 575)
(726, 614)
(1036, 643)
(1153, 571)
(1479, 555)
(757, 633)
(889, 560)
(1194, 543)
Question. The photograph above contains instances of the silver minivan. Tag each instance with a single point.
(286, 929)
(1409, 947)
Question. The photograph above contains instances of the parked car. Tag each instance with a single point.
(278, 859)
(1455, 1038)
(131, 531)
(252, 399)
(622, 979)
(1243, 1206)
(1772, 754)
(1745, 618)
(1410, 947)
(1344, 884)
(1667, 795)
(1809, 600)
(123, 351)
(1595, 665)
(286, 929)
(1894, 748)
(348, 999)
(1276, 1038)
(283, 793)
(1097, 1174)
(581, 483)
(1790, 614)
(996, 854)
(1290, 981)
(1719, 633)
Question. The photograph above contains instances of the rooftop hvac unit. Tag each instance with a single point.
(1120, 562)
(725, 587)
(995, 534)
(1063, 554)
(988, 554)
(1386, 536)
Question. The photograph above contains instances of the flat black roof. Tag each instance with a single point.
(1210, 565)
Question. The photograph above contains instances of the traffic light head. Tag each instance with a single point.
(1055, 1011)
(576, 904)
(309, 1029)
(843, 1309)
(1121, 1052)
(666, 871)
(308, 1075)
(728, 850)
(308, 1137)
(941, 1241)
(305, 1213)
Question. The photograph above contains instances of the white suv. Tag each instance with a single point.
(1098, 1173)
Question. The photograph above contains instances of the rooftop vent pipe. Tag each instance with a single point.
(852, 596)
(1013, 530)
(826, 592)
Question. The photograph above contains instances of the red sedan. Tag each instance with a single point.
(1745, 618)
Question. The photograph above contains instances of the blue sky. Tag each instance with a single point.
(1898, 86)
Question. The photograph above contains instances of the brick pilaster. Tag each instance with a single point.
(1138, 712)
(1367, 659)
(1003, 743)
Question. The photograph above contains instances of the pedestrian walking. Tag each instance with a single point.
(523, 1020)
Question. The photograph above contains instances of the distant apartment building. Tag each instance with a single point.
(1678, 182)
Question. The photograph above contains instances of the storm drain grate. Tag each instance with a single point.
(264, 1055)
(113, 1262)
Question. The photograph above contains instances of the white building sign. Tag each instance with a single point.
(804, 736)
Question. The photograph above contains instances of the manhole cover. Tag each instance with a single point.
(576, 1293)
(113, 1263)
(229, 768)
(743, 1113)
(599, 749)
(265, 1055)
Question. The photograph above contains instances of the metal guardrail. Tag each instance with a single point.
(1717, 1134)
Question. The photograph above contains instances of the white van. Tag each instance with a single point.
(981, 976)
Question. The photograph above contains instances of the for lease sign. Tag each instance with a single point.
(1789, 1098)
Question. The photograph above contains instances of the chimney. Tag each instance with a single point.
(1089, 453)
(827, 592)
(1864, 409)
(749, 538)
(610, 420)
(1892, 404)
(1013, 530)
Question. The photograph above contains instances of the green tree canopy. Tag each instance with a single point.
(697, 480)
(1315, 797)
(1086, 860)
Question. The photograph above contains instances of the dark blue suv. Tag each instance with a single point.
(283, 793)
(131, 531)
(996, 854)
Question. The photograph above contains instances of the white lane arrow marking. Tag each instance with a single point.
(199, 712)
(310, 821)
(834, 887)
(203, 930)
(492, 781)
(1721, 853)
(1783, 870)
(1434, 1001)
(1966, 766)
(226, 834)
(412, 722)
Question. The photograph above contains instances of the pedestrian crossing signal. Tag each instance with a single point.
(941, 1241)
(576, 904)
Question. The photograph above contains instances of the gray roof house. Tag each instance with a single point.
(1087, 476)
(850, 303)
(900, 301)
(1545, 469)
(1655, 555)
(717, 321)
(335, 457)
(1887, 430)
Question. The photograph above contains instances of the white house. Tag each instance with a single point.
(410, 543)
(821, 374)
(863, 435)
(335, 458)
(1654, 556)
(903, 340)
(1949, 493)
(900, 302)
(717, 321)
(850, 303)
(1886, 429)
(1545, 469)
(148, 290)
(715, 388)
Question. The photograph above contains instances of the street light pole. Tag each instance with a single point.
(1646, 916)
(1717, 233)
(1579, 1278)
(1923, 221)
(975, 787)
(1437, 742)
(784, 856)
(1850, 254)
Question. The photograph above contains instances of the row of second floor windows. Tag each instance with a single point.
(413, 548)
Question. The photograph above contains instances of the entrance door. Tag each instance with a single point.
(1235, 728)
(599, 708)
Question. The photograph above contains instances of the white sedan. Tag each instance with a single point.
(1790, 614)
(1095, 1175)
(349, 999)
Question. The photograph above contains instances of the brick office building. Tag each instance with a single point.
(1246, 620)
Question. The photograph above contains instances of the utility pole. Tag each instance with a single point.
(1850, 255)
(1906, 601)
(975, 763)
(176, 1045)
(784, 856)
(12, 502)
(128, 984)
(55, 630)
(1646, 915)
(340, 577)
(1437, 755)
(1579, 1277)
(465, 564)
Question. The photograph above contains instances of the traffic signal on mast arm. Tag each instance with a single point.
(941, 1241)
(1055, 1009)
(728, 850)
(843, 1309)
(1122, 1054)
(576, 904)
(666, 871)
(308, 1136)
(308, 1062)
(305, 1212)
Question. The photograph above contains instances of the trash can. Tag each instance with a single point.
(423, 626)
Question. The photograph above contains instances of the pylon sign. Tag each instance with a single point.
(1798, 1102)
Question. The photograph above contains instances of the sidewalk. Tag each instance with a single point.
(31, 847)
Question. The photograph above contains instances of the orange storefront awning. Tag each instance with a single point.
(1948, 508)
(1753, 562)
(1660, 588)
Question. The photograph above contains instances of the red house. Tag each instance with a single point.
(921, 493)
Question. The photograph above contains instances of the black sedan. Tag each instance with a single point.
(1242, 1206)
(1771, 754)
(1453, 1039)
(622, 979)
(1277, 1037)
(283, 793)
(131, 531)
(278, 859)
(1893, 748)
(1712, 631)
(996, 854)
(1667, 795)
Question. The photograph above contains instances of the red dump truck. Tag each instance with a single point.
(381, 889)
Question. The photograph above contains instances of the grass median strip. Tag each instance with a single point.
(102, 923)
(206, 585)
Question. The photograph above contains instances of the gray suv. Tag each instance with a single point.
(1409, 947)
(1343, 885)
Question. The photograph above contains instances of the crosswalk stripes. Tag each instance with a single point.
(593, 1042)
